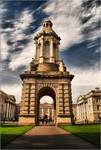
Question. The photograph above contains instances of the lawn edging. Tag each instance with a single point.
(79, 135)
(16, 136)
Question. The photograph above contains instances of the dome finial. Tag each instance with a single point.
(47, 23)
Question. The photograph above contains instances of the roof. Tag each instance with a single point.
(93, 93)
(8, 97)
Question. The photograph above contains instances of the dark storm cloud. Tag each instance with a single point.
(22, 42)
(12, 14)
(88, 4)
(78, 55)
(9, 77)
(6, 25)
(15, 51)
(85, 19)
(83, 56)
(14, 9)
(18, 6)
(86, 55)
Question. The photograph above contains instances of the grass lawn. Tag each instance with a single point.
(89, 132)
(9, 132)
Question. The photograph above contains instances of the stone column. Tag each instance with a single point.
(7, 111)
(57, 51)
(42, 113)
(10, 111)
(79, 111)
(41, 50)
(48, 113)
(82, 111)
(14, 111)
(86, 110)
(52, 114)
(5, 108)
(35, 43)
(51, 51)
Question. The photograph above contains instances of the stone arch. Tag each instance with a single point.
(49, 91)
(49, 85)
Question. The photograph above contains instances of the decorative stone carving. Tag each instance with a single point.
(62, 67)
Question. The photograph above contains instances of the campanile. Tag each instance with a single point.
(46, 76)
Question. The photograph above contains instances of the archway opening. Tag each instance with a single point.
(46, 110)
(46, 107)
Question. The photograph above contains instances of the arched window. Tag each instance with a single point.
(54, 45)
(54, 49)
(46, 24)
(46, 49)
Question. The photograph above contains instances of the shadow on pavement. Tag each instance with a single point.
(58, 141)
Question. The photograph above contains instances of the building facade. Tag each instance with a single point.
(47, 109)
(88, 107)
(7, 107)
(17, 112)
(46, 75)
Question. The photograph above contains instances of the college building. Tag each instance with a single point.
(47, 109)
(88, 107)
(7, 107)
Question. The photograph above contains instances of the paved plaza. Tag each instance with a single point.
(49, 137)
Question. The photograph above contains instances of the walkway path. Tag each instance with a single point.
(49, 137)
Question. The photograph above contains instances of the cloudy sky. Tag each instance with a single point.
(77, 22)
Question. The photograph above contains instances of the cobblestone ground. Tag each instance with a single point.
(49, 137)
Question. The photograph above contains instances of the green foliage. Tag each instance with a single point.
(8, 133)
(90, 133)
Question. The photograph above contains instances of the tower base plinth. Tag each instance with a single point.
(64, 120)
(26, 121)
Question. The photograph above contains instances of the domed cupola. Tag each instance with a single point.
(47, 26)
(47, 44)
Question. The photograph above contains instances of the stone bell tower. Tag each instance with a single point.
(47, 44)
(46, 75)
